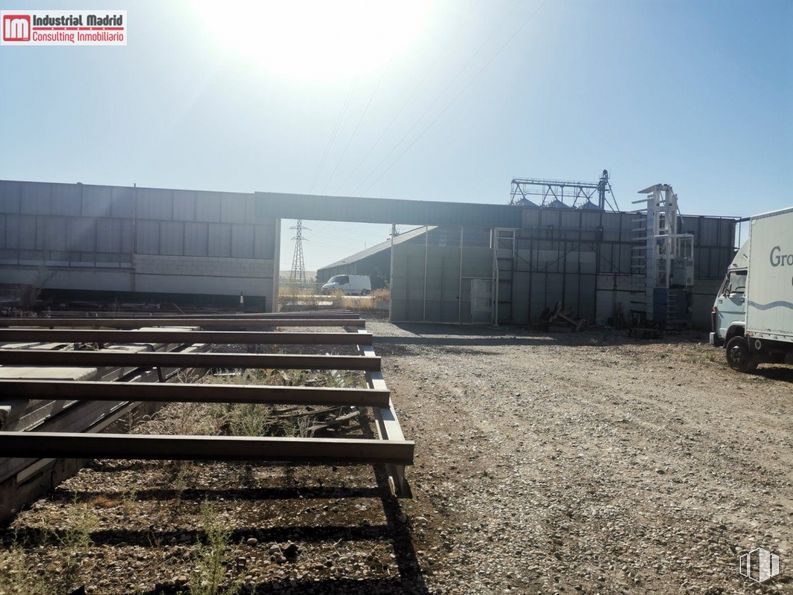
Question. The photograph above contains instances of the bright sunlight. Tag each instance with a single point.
(317, 40)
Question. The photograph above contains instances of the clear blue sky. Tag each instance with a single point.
(442, 102)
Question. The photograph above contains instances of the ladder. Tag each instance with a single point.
(504, 253)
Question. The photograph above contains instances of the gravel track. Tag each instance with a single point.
(565, 463)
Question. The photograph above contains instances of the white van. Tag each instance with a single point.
(348, 284)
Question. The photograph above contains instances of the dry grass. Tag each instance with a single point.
(308, 298)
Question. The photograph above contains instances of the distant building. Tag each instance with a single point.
(374, 262)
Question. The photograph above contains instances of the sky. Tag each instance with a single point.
(445, 100)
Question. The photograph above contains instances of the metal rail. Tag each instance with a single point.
(207, 323)
(33, 357)
(388, 428)
(210, 448)
(181, 336)
(389, 448)
(193, 393)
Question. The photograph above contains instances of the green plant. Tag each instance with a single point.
(17, 576)
(73, 546)
(209, 573)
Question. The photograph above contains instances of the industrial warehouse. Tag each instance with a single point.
(181, 246)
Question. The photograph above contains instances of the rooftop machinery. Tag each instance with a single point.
(564, 194)
(662, 264)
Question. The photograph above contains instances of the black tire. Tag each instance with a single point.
(365, 292)
(738, 355)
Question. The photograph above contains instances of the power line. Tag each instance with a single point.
(332, 139)
(437, 117)
(357, 126)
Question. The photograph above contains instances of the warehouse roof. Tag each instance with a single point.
(381, 247)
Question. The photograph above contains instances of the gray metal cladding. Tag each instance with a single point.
(377, 210)
(84, 230)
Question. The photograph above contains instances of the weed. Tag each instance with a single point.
(17, 576)
(210, 571)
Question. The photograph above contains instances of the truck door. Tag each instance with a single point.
(731, 302)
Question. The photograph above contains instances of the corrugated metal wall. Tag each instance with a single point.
(577, 257)
(121, 239)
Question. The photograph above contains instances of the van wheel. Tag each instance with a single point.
(365, 292)
(738, 356)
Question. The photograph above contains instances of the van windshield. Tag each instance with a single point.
(339, 279)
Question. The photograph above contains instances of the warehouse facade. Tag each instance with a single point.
(521, 262)
(105, 243)
(469, 263)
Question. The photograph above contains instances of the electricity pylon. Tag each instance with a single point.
(298, 272)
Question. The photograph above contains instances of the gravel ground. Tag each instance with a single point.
(565, 463)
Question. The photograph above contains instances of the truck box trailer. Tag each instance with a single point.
(753, 313)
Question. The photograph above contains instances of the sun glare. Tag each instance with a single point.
(315, 39)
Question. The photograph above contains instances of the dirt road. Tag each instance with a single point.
(584, 463)
(565, 463)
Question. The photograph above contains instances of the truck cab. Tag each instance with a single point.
(728, 316)
(752, 315)
(729, 309)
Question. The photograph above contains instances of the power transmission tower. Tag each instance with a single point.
(298, 272)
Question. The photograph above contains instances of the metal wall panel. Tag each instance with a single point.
(379, 210)
(35, 199)
(242, 241)
(108, 235)
(232, 209)
(172, 238)
(207, 207)
(123, 204)
(64, 199)
(96, 201)
(9, 197)
(184, 205)
(154, 203)
(26, 240)
(147, 239)
(219, 239)
(196, 239)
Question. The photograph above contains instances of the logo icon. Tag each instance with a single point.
(759, 565)
(16, 27)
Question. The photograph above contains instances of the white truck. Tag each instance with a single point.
(752, 316)
(348, 285)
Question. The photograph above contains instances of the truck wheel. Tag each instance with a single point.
(738, 356)
(365, 292)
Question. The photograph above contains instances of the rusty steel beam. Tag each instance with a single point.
(181, 336)
(192, 393)
(207, 323)
(179, 316)
(148, 359)
(205, 448)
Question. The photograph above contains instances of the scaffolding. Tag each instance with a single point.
(662, 261)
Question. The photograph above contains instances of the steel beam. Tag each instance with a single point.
(193, 393)
(388, 428)
(222, 448)
(207, 323)
(181, 336)
(36, 357)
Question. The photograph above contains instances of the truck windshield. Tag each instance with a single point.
(736, 282)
